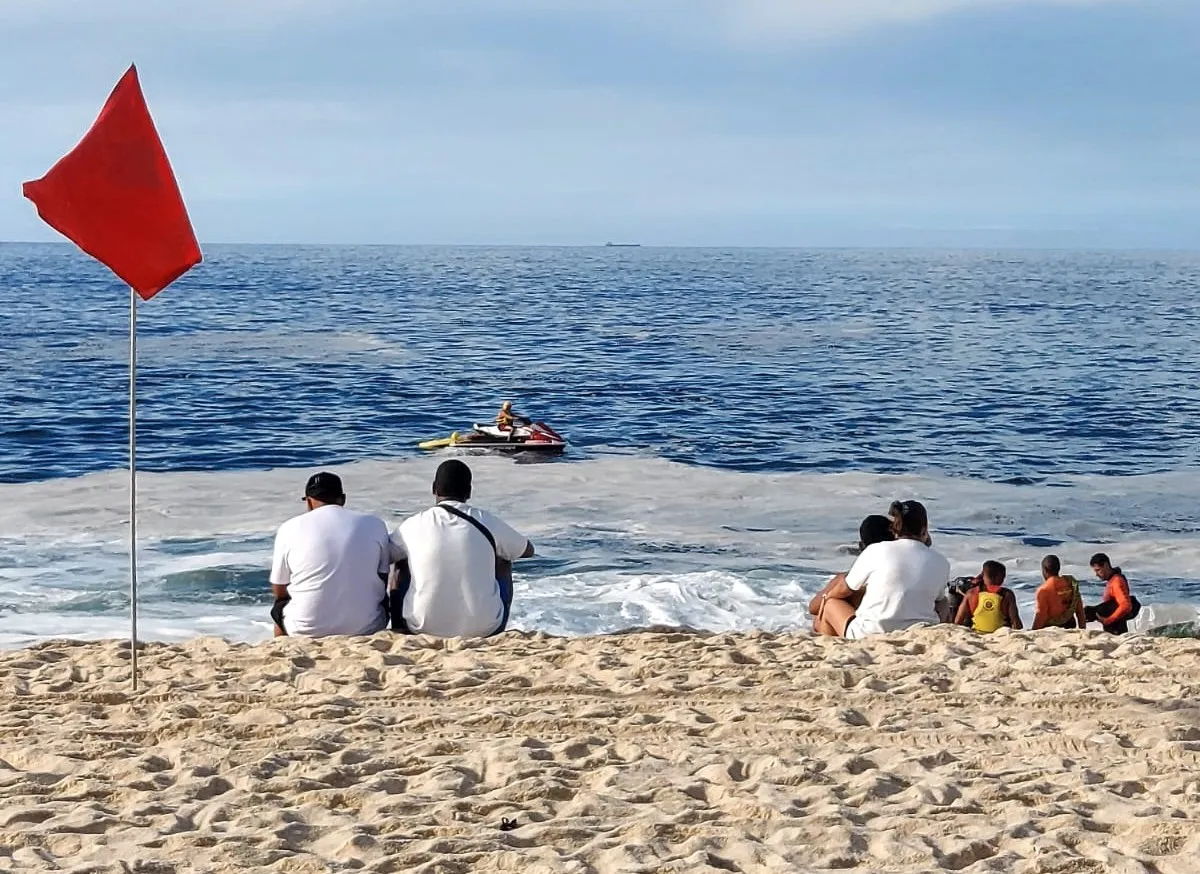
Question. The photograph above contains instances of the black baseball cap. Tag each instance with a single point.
(324, 487)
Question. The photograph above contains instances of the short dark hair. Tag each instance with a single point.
(874, 529)
(453, 480)
(324, 487)
(1051, 565)
(1100, 559)
(994, 571)
(908, 517)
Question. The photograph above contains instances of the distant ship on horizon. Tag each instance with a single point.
(611, 245)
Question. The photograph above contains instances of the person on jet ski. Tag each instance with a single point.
(507, 420)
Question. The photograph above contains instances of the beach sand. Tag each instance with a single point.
(925, 751)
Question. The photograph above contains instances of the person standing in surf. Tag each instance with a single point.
(902, 578)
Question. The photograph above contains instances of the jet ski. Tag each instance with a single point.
(522, 437)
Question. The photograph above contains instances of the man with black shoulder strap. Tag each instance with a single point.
(453, 564)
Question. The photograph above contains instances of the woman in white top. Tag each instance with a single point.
(902, 579)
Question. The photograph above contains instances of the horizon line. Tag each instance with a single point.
(981, 247)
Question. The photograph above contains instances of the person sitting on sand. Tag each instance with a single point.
(957, 589)
(873, 529)
(1059, 604)
(453, 573)
(1117, 606)
(896, 511)
(992, 606)
(902, 577)
(330, 566)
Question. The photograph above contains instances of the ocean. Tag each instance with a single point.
(732, 416)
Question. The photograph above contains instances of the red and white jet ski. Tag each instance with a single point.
(523, 437)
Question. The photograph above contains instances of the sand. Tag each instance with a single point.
(926, 751)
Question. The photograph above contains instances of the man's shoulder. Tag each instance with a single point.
(486, 516)
(336, 518)
(293, 524)
(416, 521)
(478, 513)
(416, 517)
(367, 520)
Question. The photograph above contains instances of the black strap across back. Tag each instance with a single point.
(454, 511)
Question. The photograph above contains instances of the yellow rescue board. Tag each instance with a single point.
(440, 443)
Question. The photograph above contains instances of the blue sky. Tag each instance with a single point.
(674, 122)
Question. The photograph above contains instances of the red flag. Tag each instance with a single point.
(115, 197)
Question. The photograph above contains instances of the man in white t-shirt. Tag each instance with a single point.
(329, 574)
(900, 580)
(453, 576)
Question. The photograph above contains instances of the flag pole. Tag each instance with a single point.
(115, 196)
(133, 635)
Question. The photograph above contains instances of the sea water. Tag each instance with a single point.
(732, 416)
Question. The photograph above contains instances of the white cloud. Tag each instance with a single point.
(786, 22)
(744, 22)
(472, 138)
(817, 18)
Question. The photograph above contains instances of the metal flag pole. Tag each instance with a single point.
(133, 636)
(114, 196)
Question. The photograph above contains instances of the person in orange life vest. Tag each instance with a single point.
(1059, 604)
(1117, 606)
(507, 420)
(991, 606)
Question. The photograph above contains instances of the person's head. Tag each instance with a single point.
(993, 573)
(1101, 566)
(506, 406)
(452, 481)
(909, 520)
(874, 529)
(323, 488)
(1051, 567)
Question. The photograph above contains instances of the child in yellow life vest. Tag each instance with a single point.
(991, 606)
